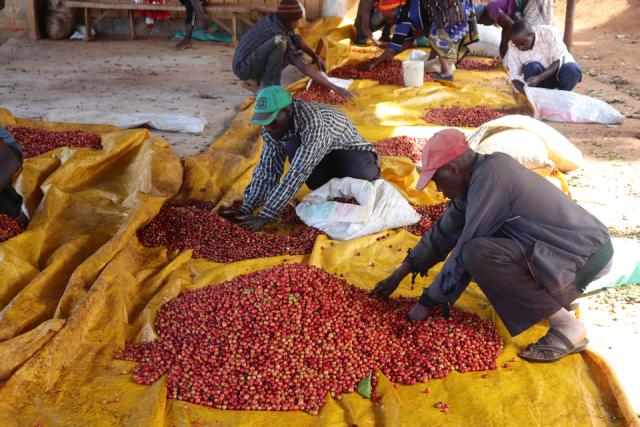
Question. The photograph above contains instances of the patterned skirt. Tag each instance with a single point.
(451, 42)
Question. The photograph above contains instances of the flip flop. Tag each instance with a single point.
(543, 351)
(440, 76)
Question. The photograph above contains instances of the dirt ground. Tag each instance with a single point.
(149, 75)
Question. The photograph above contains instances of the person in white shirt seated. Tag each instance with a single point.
(538, 57)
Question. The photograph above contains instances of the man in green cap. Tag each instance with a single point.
(320, 142)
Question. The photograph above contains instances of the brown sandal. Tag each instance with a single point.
(544, 352)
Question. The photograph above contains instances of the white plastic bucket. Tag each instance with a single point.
(413, 73)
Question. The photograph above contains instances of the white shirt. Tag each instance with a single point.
(547, 48)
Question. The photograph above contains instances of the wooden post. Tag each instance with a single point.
(132, 24)
(33, 21)
(568, 23)
(234, 29)
(87, 24)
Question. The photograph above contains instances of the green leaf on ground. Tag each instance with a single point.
(364, 387)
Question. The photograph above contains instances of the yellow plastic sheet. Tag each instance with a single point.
(77, 285)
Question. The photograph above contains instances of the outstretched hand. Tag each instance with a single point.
(418, 313)
(343, 92)
(253, 223)
(232, 214)
(386, 287)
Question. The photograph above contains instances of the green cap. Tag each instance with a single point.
(269, 102)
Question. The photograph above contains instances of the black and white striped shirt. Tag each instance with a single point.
(321, 129)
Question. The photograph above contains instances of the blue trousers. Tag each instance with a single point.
(569, 75)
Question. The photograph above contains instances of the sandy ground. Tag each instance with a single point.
(149, 75)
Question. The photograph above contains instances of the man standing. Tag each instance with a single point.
(10, 163)
(368, 20)
(271, 45)
(193, 10)
(531, 249)
(538, 57)
(320, 142)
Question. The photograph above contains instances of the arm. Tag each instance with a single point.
(364, 13)
(320, 78)
(315, 58)
(389, 53)
(265, 176)
(488, 208)
(433, 248)
(514, 68)
(402, 40)
(314, 146)
(550, 71)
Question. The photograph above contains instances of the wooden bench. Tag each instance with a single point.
(237, 11)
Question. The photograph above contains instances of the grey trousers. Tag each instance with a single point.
(267, 61)
(501, 270)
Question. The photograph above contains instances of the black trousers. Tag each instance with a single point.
(10, 202)
(500, 268)
(190, 12)
(338, 164)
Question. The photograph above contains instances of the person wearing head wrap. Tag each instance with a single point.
(272, 44)
(411, 19)
(453, 28)
(530, 248)
(368, 20)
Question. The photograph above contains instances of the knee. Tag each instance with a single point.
(571, 70)
(532, 69)
(474, 253)
(279, 43)
(569, 76)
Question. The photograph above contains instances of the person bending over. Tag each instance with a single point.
(320, 143)
(531, 249)
(272, 44)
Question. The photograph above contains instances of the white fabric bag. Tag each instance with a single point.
(564, 155)
(162, 121)
(380, 207)
(570, 107)
(489, 43)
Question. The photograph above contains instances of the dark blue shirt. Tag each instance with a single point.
(266, 28)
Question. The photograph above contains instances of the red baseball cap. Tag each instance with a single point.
(443, 147)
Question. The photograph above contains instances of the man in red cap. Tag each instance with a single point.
(272, 44)
(531, 249)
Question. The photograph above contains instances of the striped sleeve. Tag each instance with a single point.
(315, 144)
(265, 176)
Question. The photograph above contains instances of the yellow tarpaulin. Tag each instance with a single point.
(77, 284)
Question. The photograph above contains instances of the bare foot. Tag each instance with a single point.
(184, 44)
(251, 85)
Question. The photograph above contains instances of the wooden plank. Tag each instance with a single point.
(32, 20)
(87, 24)
(246, 20)
(234, 30)
(568, 23)
(132, 24)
